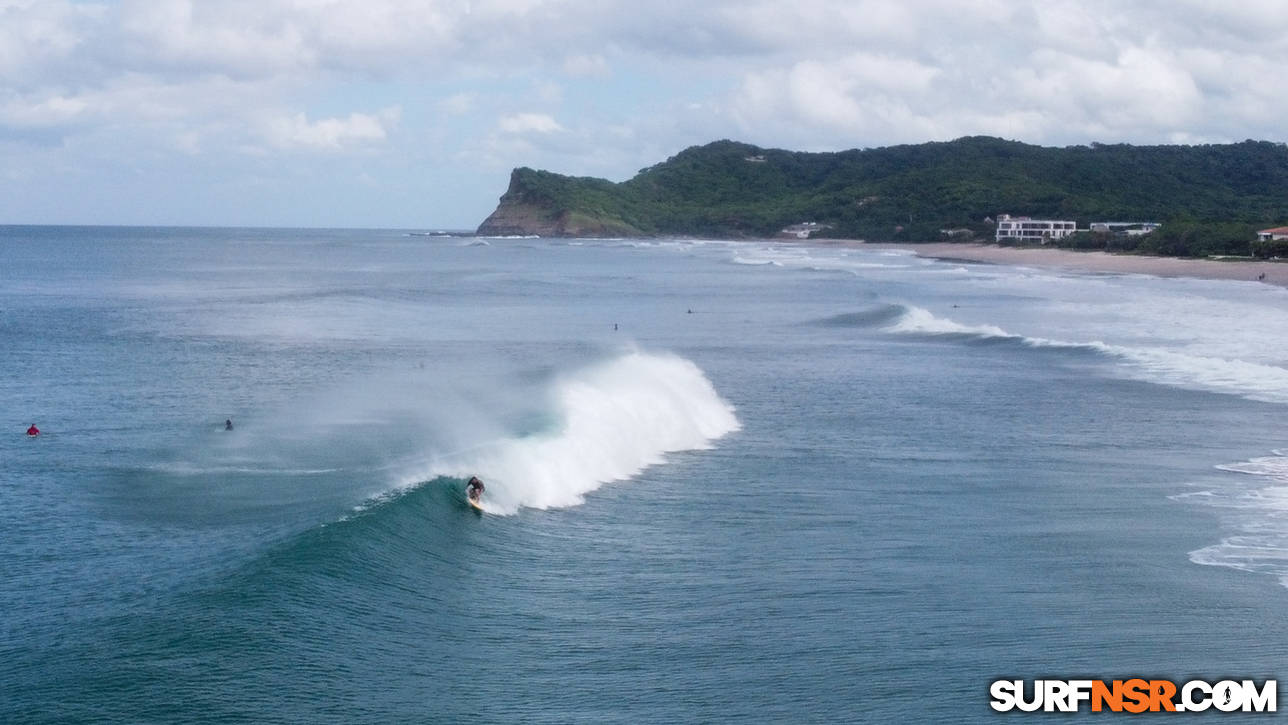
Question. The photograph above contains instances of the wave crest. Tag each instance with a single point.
(614, 419)
(1158, 365)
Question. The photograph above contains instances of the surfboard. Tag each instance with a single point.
(477, 506)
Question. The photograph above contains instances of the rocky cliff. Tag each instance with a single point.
(530, 207)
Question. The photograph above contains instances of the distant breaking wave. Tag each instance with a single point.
(849, 261)
(1259, 513)
(1251, 380)
(918, 321)
(756, 262)
(613, 420)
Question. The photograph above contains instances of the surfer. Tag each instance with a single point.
(228, 424)
(474, 489)
(33, 431)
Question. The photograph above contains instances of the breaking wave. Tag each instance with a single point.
(609, 422)
(1252, 380)
(918, 321)
(852, 261)
(1259, 514)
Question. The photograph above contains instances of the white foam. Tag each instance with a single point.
(1244, 554)
(756, 262)
(1276, 466)
(1254, 381)
(819, 260)
(920, 321)
(1259, 516)
(1154, 364)
(616, 419)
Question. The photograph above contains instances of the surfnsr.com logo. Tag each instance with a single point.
(1134, 696)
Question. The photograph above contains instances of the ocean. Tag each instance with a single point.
(726, 482)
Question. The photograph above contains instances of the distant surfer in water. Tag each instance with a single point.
(33, 431)
(474, 489)
(228, 424)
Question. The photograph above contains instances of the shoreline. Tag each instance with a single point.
(1276, 273)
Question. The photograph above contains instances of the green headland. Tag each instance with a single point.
(1211, 199)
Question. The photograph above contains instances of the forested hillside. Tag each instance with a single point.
(904, 193)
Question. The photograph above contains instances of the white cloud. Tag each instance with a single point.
(1248, 22)
(1051, 72)
(527, 123)
(1142, 87)
(586, 66)
(186, 37)
(49, 111)
(855, 97)
(837, 62)
(295, 131)
(36, 36)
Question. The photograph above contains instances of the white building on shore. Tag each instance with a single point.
(1274, 234)
(1023, 229)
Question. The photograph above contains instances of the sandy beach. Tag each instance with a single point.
(1275, 272)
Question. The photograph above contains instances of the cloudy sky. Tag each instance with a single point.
(411, 113)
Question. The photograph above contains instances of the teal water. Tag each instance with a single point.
(795, 484)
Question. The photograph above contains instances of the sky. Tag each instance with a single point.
(411, 113)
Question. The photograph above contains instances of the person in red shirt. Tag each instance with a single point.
(33, 431)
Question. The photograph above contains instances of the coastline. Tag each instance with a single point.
(1276, 273)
